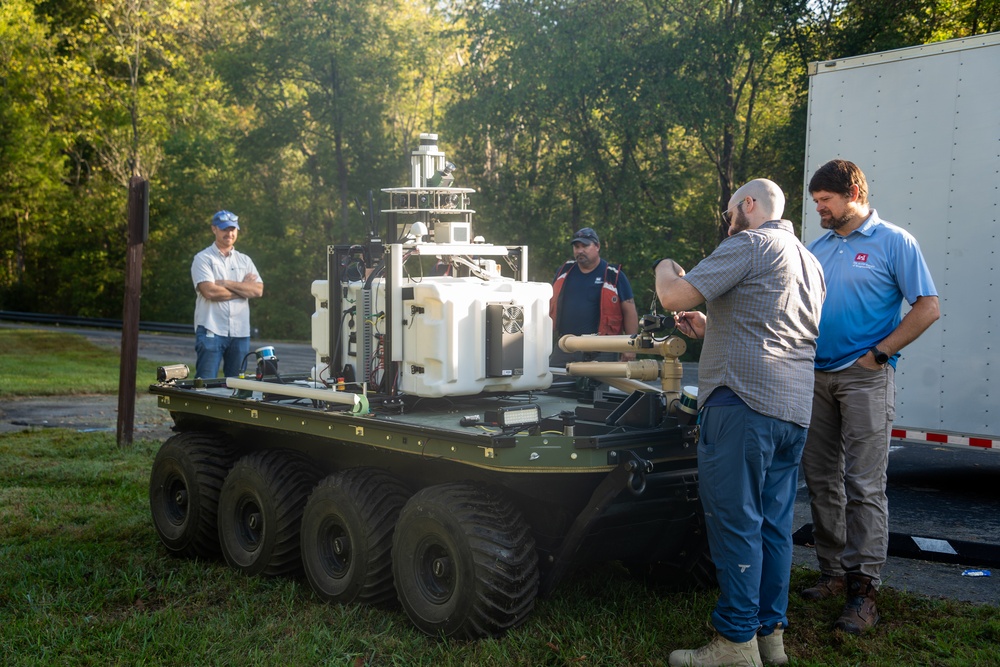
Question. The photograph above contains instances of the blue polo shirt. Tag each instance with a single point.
(868, 274)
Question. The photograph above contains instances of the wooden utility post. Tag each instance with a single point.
(138, 232)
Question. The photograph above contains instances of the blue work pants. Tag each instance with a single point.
(748, 473)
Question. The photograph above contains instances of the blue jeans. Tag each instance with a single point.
(213, 350)
(748, 468)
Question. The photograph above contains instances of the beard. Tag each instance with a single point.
(739, 223)
(836, 223)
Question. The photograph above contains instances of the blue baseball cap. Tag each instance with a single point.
(225, 220)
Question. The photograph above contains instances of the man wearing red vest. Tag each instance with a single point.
(590, 296)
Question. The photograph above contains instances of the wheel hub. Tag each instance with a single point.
(441, 567)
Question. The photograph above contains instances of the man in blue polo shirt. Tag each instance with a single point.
(871, 266)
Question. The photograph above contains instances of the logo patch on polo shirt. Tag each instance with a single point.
(861, 261)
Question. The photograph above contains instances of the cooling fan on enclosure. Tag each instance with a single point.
(504, 340)
(512, 320)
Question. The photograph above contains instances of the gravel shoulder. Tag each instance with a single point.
(90, 412)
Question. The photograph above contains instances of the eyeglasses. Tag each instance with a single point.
(727, 215)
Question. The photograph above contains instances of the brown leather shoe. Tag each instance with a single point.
(860, 613)
(827, 587)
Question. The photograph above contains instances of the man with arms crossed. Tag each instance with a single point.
(224, 280)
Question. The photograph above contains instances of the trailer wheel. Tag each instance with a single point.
(347, 530)
(260, 512)
(464, 562)
(184, 487)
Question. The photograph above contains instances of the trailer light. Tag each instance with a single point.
(509, 416)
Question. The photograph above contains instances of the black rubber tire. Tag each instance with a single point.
(464, 562)
(346, 538)
(260, 512)
(184, 487)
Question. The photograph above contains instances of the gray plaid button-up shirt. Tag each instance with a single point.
(764, 294)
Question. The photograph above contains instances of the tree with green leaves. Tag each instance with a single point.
(318, 77)
(30, 161)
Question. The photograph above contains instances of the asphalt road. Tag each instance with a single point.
(173, 349)
(934, 492)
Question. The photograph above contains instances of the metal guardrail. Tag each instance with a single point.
(93, 322)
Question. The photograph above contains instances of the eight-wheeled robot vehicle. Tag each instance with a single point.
(432, 455)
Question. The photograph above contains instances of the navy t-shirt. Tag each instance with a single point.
(580, 312)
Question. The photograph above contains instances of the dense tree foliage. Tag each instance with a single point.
(30, 161)
(636, 117)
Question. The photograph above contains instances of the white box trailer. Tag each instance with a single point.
(923, 123)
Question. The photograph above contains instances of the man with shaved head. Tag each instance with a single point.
(763, 293)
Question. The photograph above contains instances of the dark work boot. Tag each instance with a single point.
(828, 586)
(860, 613)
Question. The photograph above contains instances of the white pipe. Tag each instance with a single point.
(396, 299)
(358, 401)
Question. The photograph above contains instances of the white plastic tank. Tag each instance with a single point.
(460, 336)
(454, 343)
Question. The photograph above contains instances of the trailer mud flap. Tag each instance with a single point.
(631, 474)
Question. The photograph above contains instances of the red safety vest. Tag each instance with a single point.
(612, 321)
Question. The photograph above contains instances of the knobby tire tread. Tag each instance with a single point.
(211, 455)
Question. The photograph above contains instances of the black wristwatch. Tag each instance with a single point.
(881, 358)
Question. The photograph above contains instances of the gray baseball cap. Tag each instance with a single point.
(585, 236)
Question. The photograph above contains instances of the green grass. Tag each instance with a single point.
(45, 363)
(84, 581)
